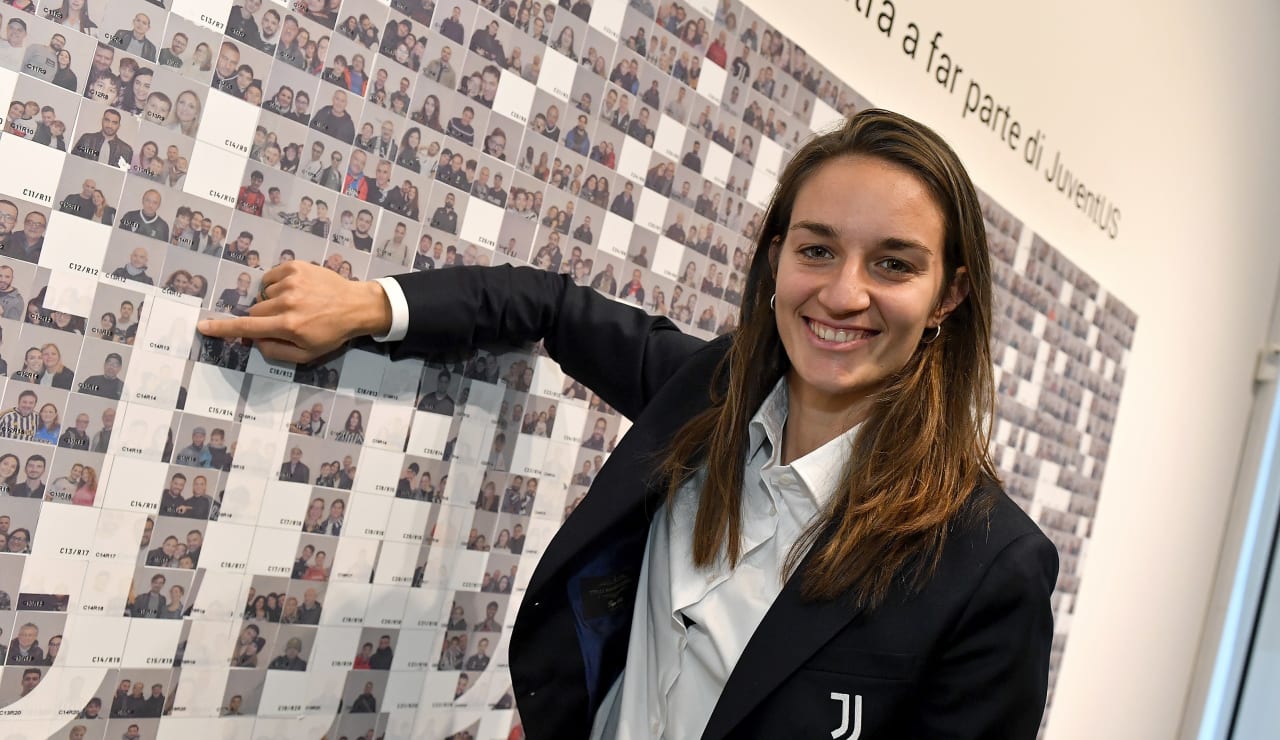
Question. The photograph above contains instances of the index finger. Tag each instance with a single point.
(249, 327)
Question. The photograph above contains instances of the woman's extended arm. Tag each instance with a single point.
(621, 352)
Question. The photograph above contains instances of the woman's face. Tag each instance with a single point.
(181, 283)
(48, 414)
(859, 277)
(64, 59)
(188, 107)
(34, 361)
(149, 151)
(198, 285)
(316, 509)
(99, 200)
(8, 467)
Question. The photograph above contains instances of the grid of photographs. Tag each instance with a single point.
(338, 549)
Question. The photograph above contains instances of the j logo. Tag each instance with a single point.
(840, 731)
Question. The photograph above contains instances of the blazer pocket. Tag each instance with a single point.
(872, 664)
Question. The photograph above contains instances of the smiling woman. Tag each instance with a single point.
(803, 530)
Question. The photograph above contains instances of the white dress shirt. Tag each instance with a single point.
(674, 673)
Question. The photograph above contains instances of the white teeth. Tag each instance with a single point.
(839, 336)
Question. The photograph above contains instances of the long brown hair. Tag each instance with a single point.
(921, 451)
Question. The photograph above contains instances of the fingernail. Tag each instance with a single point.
(202, 325)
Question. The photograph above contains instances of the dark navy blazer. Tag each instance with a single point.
(966, 657)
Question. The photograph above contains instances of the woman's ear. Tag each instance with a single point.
(775, 251)
(955, 294)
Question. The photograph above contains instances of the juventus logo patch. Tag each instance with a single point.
(845, 720)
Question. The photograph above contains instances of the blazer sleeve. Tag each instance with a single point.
(992, 679)
(619, 351)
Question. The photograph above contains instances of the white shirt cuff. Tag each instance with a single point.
(399, 310)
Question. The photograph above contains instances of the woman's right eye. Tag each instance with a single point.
(815, 252)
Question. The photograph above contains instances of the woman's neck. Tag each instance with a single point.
(814, 420)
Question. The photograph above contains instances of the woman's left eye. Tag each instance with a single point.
(896, 265)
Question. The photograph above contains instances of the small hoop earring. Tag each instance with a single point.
(772, 298)
(936, 333)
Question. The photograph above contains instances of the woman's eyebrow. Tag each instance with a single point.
(897, 243)
(817, 227)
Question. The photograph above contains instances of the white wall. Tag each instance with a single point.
(1168, 108)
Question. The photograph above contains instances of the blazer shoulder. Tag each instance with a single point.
(993, 526)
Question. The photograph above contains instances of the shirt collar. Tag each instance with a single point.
(821, 469)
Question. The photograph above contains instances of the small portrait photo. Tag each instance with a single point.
(174, 103)
(89, 191)
(134, 26)
(188, 48)
(315, 558)
(115, 314)
(446, 208)
(280, 142)
(250, 647)
(500, 572)
(26, 485)
(390, 87)
(159, 593)
(36, 639)
(47, 114)
(606, 273)
(439, 390)
(16, 284)
(336, 107)
(144, 207)
(241, 71)
(101, 373)
(88, 427)
(266, 598)
(58, 354)
(302, 603)
(74, 16)
(189, 495)
(403, 41)
(377, 649)
(422, 479)
(587, 94)
(363, 692)
(243, 692)
(455, 20)
(22, 230)
(396, 241)
(327, 512)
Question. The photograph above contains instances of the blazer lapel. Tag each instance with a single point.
(791, 632)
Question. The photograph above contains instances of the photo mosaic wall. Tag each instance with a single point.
(198, 542)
